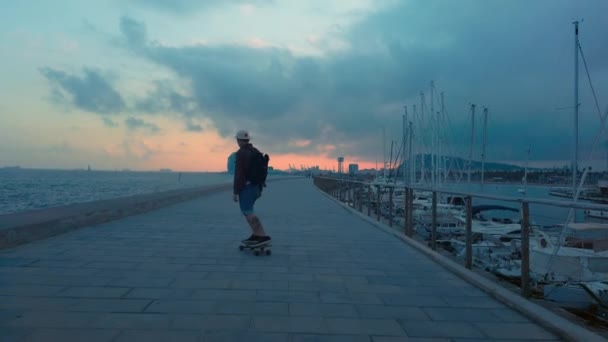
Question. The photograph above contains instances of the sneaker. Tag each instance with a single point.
(261, 241)
(249, 240)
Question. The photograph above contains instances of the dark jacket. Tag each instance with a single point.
(243, 159)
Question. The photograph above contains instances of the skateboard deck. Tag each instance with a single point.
(263, 249)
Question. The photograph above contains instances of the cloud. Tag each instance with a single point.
(188, 7)
(193, 127)
(165, 99)
(497, 55)
(133, 124)
(109, 123)
(91, 92)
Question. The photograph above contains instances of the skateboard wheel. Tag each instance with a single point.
(241, 248)
(268, 252)
(256, 253)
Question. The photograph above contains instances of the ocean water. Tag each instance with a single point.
(29, 189)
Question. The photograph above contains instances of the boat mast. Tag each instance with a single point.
(575, 161)
(483, 151)
(423, 149)
(413, 160)
(433, 136)
(413, 156)
(472, 142)
(384, 152)
(404, 144)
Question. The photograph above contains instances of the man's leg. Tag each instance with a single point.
(255, 224)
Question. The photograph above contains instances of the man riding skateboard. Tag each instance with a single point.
(247, 189)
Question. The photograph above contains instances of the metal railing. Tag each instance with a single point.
(351, 191)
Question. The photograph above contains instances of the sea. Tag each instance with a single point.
(24, 189)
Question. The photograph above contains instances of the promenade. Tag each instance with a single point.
(176, 274)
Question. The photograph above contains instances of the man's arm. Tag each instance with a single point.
(240, 172)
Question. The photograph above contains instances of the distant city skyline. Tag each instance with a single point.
(146, 85)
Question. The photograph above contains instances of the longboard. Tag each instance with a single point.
(263, 249)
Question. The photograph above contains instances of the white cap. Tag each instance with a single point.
(242, 135)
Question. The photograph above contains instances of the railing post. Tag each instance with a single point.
(434, 223)
(390, 206)
(348, 195)
(469, 234)
(410, 212)
(359, 199)
(369, 200)
(378, 205)
(406, 214)
(525, 250)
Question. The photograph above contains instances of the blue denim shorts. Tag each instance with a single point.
(247, 198)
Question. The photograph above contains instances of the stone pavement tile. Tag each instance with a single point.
(395, 312)
(364, 326)
(118, 265)
(210, 323)
(157, 336)
(322, 310)
(160, 293)
(287, 296)
(37, 303)
(245, 336)
(7, 316)
(393, 280)
(252, 308)
(94, 292)
(57, 263)
(281, 285)
(329, 338)
(16, 262)
(316, 286)
(313, 325)
(30, 290)
(409, 339)
(130, 321)
(50, 319)
(350, 298)
(59, 280)
(152, 266)
(462, 315)
(497, 340)
(216, 294)
(472, 302)
(181, 306)
(508, 315)
(267, 269)
(71, 335)
(186, 282)
(331, 278)
(412, 300)
(524, 331)
(134, 281)
(110, 305)
(233, 275)
(441, 329)
(379, 288)
(291, 278)
(13, 334)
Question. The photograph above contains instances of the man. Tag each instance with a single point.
(245, 192)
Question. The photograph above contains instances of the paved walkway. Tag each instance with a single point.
(176, 275)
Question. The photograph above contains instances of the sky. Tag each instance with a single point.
(150, 84)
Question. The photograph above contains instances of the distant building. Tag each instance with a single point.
(231, 164)
(353, 169)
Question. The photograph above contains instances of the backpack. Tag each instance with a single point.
(258, 167)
